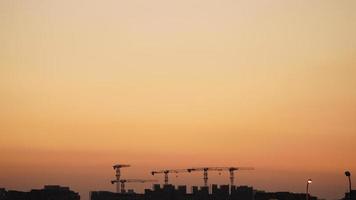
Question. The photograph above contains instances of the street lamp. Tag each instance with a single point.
(307, 194)
(348, 174)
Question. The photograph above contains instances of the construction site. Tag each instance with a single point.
(167, 191)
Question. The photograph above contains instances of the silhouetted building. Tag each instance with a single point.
(51, 192)
(195, 189)
(103, 195)
(219, 193)
(2, 193)
(242, 192)
(214, 189)
(282, 196)
(182, 189)
(169, 192)
(353, 195)
(156, 187)
(224, 192)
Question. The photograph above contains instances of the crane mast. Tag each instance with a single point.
(117, 169)
(230, 169)
(205, 172)
(123, 181)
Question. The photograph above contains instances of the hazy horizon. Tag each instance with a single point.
(174, 84)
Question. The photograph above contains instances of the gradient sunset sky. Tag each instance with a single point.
(175, 84)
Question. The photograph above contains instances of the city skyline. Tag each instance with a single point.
(164, 84)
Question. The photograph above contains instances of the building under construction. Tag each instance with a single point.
(170, 192)
(223, 192)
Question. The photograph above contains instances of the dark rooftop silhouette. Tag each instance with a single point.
(222, 192)
(49, 192)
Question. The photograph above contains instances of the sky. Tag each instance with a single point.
(177, 84)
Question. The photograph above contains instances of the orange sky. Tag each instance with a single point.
(175, 84)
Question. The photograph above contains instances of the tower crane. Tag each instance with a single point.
(117, 168)
(123, 181)
(167, 171)
(205, 172)
(230, 169)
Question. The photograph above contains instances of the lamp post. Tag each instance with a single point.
(348, 174)
(307, 194)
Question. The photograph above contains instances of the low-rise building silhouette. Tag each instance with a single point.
(223, 192)
(353, 195)
(282, 196)
(49, 192)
